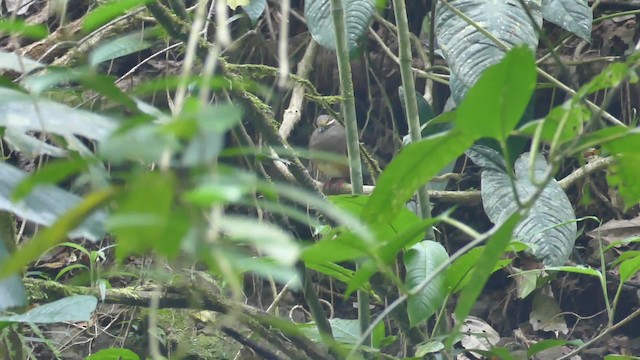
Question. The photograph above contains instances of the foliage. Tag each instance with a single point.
(188, 182)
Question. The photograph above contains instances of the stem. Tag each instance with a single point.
(410, 99)
(351, 125)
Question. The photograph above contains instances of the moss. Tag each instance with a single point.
(186, 339)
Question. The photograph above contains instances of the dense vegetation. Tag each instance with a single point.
(158, 198)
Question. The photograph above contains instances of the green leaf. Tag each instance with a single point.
(336, 271)
(495, 104)
(611, 77)
(72, 308)
(508, 21)
(105, 85)
(620, 357)
(549, 226)
(120, 46)
(550, 343)
(425, 115)
(384, 230)
(255, 9)
(357, 14)
(24, 113)
(629, 268)
(58, 232)
(109, 11)
(584, 270)
(268, 238)
(18, 63)
(350, 247)
(207, 126)
(146, 218)
(12, 292)
(624, 172)
(51, 173)
(346, 331)
(145, 142)
(429, 347)
(497, 243)
(458, 274)
(573, 16)
(45, 204)
(413, 167)
(420, 262)
(113, 354)
(20, 28)
(264, 267)
(598, 138)
(388, 252)
(571, 115)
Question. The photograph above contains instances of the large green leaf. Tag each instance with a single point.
(624, 172)
(429, 126)
(357, 14)
(572, 15)
(21, 113)
(72, 308)
(550, 224)
(570, 115)
(12, 293)
(346, 331)
(120, 46)
(113, 354)
(45, 204)
(254, 9)
(491, 254)
(420, 261)
(109, 11)
(63, 226)
(267, 238)
(502, 93)
(413, 167)
(146, 218)
(469, 52)
(18, 63)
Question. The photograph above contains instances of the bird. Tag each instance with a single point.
(329, 137)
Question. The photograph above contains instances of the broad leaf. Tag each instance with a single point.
(550, 224)
(413, 167)
(420, 262)
(389, 251)
(113, 354)
(109, 11)
(146, 218)
(357, 14)
(492, 252)
(22, 113)
(346, 331)
(12, 293)
(254, 9)
(501, 95)
(572, 15)
(45, 204)
(567, 119)
(120, 46)
(72, 308)
(64, 225)
(19, 27)
(18, 63)
(268, 238)
(469, 52)
(624, 172)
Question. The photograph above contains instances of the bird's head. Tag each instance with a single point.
(323, 122)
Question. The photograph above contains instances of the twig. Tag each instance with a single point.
(473, 196)
(293, 113)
